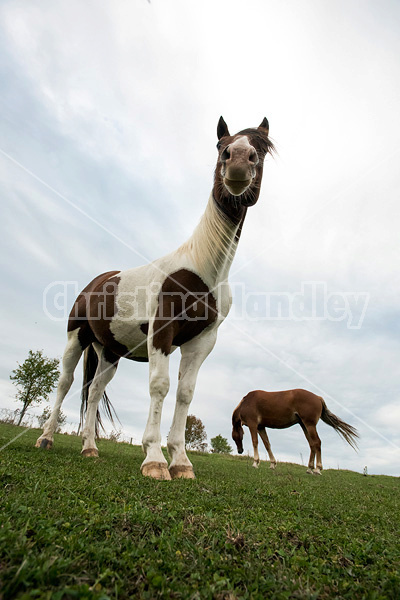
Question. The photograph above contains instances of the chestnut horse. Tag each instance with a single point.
(280, 410)
(145, 313)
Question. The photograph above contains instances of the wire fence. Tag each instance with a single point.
(31, 421)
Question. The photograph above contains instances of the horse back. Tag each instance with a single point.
(279, 410)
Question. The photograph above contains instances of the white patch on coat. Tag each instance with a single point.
(212, 246)
(208, 253)
(242, 141)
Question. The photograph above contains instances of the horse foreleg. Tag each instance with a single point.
(254, 438)
(263, 435)
(72, 354)
(193, 355)
(105, 371)
(155, 464)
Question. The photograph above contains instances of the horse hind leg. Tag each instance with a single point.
(316, 444)
(310, 431)
(105, 371)
(71, 356)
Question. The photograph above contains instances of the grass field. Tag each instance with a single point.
(95, 528)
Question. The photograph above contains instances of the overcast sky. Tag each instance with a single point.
(108, 130)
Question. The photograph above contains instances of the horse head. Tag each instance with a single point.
(237, 434)
(240, 163)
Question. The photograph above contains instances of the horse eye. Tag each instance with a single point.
(226, 154)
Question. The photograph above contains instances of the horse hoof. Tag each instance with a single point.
(184, 472)
(317, 472)
(272, 466)
(43, 443)
(309, 471)
(156, 470)
(90, 452)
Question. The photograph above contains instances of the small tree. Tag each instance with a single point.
(195, 434)
(46, 414)
(220, 445)
(36, 378)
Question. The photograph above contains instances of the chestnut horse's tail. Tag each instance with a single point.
(347, 432)
(90, 362)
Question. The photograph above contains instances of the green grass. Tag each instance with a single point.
(72, 527)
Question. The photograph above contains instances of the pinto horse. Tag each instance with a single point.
(145, 313)
(280, 410)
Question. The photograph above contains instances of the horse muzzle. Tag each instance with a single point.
(236, 187)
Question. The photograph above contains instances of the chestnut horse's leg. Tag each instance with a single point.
(71, 356)
(263, 435)
(105, 371)
(311, 460)
(254, 438)
(314, 441)
(193, 353)
(316, 445)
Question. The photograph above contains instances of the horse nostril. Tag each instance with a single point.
(226, 154)
(253, 157)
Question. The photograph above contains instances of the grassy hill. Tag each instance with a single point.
(72, 527)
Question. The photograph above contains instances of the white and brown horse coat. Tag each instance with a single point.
(178, 300)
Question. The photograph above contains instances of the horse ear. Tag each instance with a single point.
(264, 125)
(222, 129)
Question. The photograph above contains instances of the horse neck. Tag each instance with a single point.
(213, 243)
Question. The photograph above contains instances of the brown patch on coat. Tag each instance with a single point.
(103, 308)
(78, 318)
(182, 315)
(92, 313)
(144, 327)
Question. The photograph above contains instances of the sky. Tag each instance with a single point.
(108, 131)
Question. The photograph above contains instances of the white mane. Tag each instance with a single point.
(213, 243)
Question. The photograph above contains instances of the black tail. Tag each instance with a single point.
(347, 432)
(90, 362)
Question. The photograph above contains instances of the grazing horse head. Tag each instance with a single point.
(239, 168)
(237, 432)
